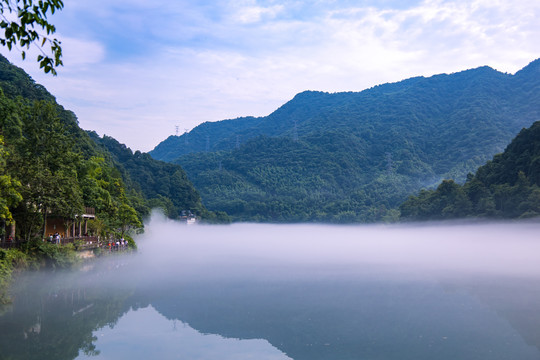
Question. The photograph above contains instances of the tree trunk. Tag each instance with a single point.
(44, 223)
(12, 230)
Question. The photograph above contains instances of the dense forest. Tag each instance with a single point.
(508, 186)
(51, 167)
(164, 185)
(356, 156)
(52, 170)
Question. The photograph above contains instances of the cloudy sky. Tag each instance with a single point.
(135, 69)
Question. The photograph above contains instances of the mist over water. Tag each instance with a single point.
(305, 291)
(505, 249)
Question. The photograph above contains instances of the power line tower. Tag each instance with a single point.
(295, 132)
(207, 143)
(177, 128)
(186, 142)
(389, 164)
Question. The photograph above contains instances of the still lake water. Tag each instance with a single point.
(250, 291)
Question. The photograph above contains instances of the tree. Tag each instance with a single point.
(46, 167)
(127, 219)
(95, 180)
(9, 196)
(31, 17)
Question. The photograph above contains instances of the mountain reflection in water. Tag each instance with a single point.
(165, 339)
(291, 291)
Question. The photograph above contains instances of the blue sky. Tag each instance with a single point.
(134, 69)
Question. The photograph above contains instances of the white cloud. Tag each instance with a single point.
(207, 63)
(79, 52)
(253, 14)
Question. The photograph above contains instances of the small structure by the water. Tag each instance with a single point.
(59, 229)
(70, 228)
(188, 217)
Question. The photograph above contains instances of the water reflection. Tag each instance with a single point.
(303, 292)
(359, 318)
(165, 339)
(53, 316)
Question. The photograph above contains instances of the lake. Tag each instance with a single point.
(253, 291)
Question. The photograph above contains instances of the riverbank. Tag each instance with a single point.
(10, 260)
(36, 256)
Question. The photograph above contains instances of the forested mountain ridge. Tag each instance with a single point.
(49, 165)
(428, 102)
(163, 184)
(354, 156)
(508, 186)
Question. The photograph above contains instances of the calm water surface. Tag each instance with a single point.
(290, 292)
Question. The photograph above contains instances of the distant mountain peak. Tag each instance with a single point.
(532, 68)
(310, 93)
(310, 111)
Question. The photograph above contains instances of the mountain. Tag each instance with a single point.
(163, 184)
(356, 156)
(50, 167)
(508, 186)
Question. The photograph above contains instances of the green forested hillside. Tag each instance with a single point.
(164, 185)
(356, 156)
(506, 187)
(51, 167)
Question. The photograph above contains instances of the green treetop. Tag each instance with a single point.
(25, 23)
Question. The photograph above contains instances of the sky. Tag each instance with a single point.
(137, 69)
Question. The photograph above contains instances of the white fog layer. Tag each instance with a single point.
(506, 249)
